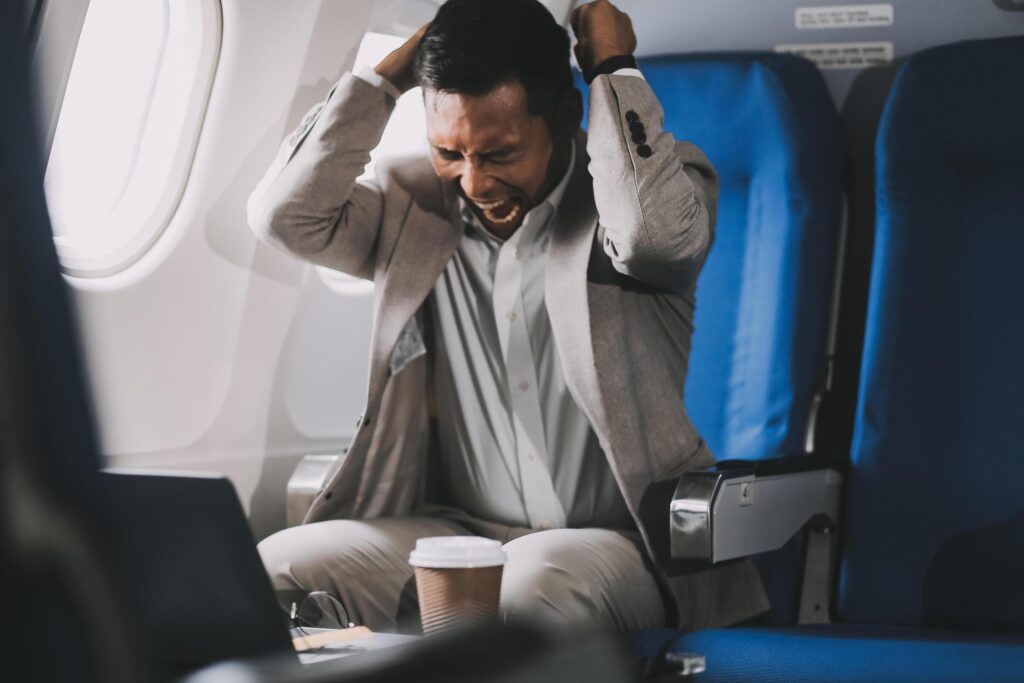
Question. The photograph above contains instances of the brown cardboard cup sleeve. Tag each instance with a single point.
(458, 579)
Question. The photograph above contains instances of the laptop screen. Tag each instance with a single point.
(189, 570)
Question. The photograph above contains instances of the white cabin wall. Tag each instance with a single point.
(214, 352)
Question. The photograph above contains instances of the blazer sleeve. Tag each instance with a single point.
(309, 202)
(656, 197)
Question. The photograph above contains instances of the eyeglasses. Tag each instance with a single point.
(318, 610)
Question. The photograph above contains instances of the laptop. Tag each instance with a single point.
(188, 570)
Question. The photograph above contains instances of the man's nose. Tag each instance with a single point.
(476, 183)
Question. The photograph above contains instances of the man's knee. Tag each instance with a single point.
(541, 581)
(580, 576)
(289, 554)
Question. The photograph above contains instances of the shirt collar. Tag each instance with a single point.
(548, 207)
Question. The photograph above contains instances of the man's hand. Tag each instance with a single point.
(397, 67)
(602, 31)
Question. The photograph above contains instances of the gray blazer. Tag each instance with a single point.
(633, 232)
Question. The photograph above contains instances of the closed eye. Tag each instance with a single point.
(447, 154)
(498, 154)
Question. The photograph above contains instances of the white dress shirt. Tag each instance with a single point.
(515, 447)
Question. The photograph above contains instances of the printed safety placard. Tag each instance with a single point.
(844, 16)
(842, 55)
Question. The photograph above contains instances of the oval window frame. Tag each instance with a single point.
(166, 151)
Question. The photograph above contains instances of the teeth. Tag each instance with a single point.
(488, 209)
(511, 217)
(490, 205)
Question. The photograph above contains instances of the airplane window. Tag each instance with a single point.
(128, 128)
(406, 133)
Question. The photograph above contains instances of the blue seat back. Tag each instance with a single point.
(935, 525)
(768, 125)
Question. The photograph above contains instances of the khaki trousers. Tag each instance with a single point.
(593, 577)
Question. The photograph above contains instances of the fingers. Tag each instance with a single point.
(417, 37)
(602, 31)
(576, 17)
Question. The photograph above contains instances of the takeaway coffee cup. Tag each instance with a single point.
(458, 579)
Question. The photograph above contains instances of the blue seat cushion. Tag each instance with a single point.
(851, 653)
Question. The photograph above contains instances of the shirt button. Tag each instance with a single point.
(544, 526)
(523, 386)
(515, 252)
(531, 456)
(511, 315)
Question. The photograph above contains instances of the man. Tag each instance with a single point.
(533, 310)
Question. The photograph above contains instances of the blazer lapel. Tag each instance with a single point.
(428, 240)
(565, 286)
(569, 250)
(580, 315)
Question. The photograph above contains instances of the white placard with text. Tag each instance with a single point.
(842, 55)
(844, 16)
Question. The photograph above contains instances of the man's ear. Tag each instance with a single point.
(570, 112)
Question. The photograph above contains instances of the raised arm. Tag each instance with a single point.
(309, 201)
(655, 197)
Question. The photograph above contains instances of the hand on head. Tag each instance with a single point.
(397, 67)
(602, 31)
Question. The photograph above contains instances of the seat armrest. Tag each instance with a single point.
(308, 479)
(742, 508)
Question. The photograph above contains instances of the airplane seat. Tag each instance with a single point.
(767, 123)
(758, 356)
(769, 126)
(933, 550)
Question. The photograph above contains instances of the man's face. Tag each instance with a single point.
(502, 159)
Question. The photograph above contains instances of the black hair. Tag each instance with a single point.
(473, 46)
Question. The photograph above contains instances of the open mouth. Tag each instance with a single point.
(501, 212)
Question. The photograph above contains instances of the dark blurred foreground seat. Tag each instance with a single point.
(59, 618)
(932, 574)
(495, 654)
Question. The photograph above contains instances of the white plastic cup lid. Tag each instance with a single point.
(457, 552)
